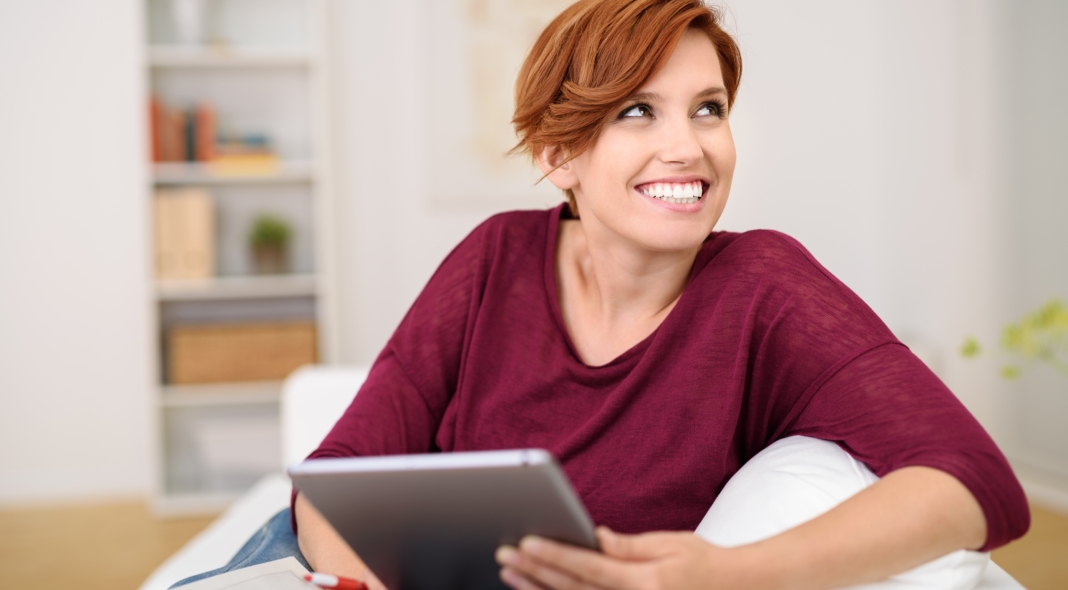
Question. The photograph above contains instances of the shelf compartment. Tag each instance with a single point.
(249, 393)
(163, 56)
(165, 173)
(246, 287)
(218, 451)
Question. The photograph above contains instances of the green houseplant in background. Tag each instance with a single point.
(269, 239)
(1041, 336)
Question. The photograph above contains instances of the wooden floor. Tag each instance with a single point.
(99, 547)
(115, 547)
(1039, 560)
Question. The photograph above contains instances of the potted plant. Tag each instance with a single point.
(269, 239)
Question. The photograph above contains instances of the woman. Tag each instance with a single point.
(652, 356)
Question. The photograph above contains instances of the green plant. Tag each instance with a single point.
(1041, 335)
(269, 231)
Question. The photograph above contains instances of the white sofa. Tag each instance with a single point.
(312, 400)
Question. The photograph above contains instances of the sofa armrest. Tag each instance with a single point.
(313, 398)
(215, 545)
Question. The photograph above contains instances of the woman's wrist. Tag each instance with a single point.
(758, 566)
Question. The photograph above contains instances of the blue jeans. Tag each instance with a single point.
(274, 540)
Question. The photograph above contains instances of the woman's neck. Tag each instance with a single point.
(614, 293)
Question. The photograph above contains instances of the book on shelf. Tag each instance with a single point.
(203, 132)
(185, 233)
(244, 155)
(192, 135)
(210, 353)
(181, 135)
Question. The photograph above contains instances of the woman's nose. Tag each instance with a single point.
(679, 144)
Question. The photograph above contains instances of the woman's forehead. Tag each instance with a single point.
(693, 67)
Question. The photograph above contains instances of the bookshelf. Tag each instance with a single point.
(262, 67)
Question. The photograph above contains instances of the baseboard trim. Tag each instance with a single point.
(1045, 495)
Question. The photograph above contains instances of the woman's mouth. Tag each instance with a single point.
(684, 193)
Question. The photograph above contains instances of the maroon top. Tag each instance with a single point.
(763, 343)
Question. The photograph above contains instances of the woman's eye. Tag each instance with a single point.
(713, 109)
(638, 110)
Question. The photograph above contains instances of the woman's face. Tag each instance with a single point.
(659, 174)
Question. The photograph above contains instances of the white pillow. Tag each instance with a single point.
(795, 480)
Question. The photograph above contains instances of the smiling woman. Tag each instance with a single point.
(565, 103)
(654, 356)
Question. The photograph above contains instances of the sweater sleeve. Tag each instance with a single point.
(399, 407)
(887, 409)
(827, 367)
(823, 365)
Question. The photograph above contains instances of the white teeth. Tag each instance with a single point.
(675, 193)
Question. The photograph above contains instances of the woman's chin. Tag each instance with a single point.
(682, 240)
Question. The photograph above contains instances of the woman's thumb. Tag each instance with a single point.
(631, 547)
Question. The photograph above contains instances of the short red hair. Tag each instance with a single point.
(594, 56)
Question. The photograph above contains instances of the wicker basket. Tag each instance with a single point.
(238, 352)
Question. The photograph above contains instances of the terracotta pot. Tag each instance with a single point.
(270, 260)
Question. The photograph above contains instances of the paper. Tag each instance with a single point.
(281, 574)
(279, 581)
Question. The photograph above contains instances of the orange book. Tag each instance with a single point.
(179, 122)
(168, 135)
(204, 132)
(155, 113)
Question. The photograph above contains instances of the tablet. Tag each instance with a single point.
(429, 522)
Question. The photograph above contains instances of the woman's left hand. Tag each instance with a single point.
(627, 562)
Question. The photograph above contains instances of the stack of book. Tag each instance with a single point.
(192, 135)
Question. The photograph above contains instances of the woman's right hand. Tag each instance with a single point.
(324, 548)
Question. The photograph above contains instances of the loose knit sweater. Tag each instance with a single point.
(763, 343)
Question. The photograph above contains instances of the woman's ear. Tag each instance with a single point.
(561, 175)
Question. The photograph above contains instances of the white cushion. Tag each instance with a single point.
(313, 399)
(797, 479)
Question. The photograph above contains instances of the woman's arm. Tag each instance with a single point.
(324, 548)
(911, 516)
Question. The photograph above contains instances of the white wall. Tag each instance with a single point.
(74, 329)
(865, 130)
(1036, 211)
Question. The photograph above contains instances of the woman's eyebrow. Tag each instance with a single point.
(712, 91)
(654, 97)
(646, 97)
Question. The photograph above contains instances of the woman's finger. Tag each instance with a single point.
(517, 580)
(579, 567)
(644, 547)
(531, 568)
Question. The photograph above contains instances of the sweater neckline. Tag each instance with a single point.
(627, 357)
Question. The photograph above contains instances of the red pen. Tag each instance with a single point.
(335, 582)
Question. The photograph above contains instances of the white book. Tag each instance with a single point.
(281, 574)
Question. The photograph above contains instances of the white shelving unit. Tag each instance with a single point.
(180, 173)
(221, 288)
(271, 76)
